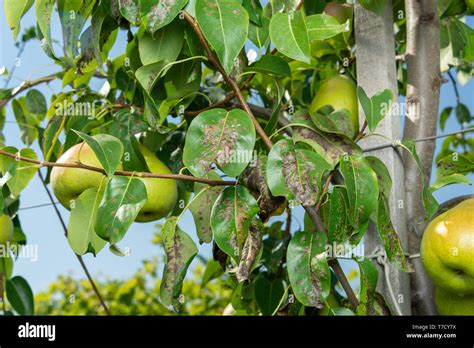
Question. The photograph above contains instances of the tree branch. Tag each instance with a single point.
(79, 258)
(120, 172)
(424, 80)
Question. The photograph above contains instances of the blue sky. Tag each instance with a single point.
(41, 224)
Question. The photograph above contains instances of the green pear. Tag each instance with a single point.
(6, 229)
(447, 249)
(340, 92)
(448, 303)
(69, 183)
(162, 193)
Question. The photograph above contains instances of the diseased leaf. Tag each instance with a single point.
(107, 148)
(295, 173)
(323, 27)
(122, 200)
(180, 250)
(449, 180)
(44, 10)
(130, 10)
(226, 138)
(362, 189)
(340, 231)
(334, 121)
(289, 34)
(251, 251)
(454, 164)
(329, 146)
(225, 24)
(376, 107)
(201, 207)
(81, 234)
(157, 14)
(231, 216)
(26, 121)
(20, 295)
(368, 283)
(308, 271)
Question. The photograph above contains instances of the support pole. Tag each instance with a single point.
(376, 71)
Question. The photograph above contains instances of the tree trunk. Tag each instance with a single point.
(424, 79)
(376, 71)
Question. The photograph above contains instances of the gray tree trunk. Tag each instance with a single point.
(376, 71)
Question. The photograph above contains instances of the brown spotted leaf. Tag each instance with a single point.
(221, 137)
(231, 216)
(158, 13)
(254, 178)
(308, 269)
(368, 284)
(180, 250)
(201, 207)
(251, 251)
(122, 200)
(330, 146)
(295, 173)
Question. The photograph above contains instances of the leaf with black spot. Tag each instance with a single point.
(231, 216)
(251, 251)
(295, 173)
(180, 250)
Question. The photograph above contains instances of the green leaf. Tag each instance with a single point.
(81, 234)
(268, 294)
(362, 189)
(130, 10)
(334, 121)
(449, 180)
(225, 24)
(429, 202)
(341, 311)
(26, 121)
(157, 14)
(107, 148)
(375, 108)
(6, 266)
(259, 34)
(272, 255)
(201, 207)
(231, 216)
(295, 173)
(14, 10)
(73, 15)
(17, 174)
(308, 270)
(180, 250)
(254, 9)
(50, 136)
(271, 65)
(323, 27)
(463, 114)
(44, 10)
(377, 6)
(289, 34)
(20, 296)
(162, 46)
(368, 284)
(36, 102)
(444, 117)
(340, 231)
(123, 198)
(226, 138)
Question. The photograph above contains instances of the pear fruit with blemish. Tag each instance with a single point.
(69, 183)
(447, 249)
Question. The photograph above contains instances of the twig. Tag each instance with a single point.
(396, 143)
(26, 85)
(81, 261)
(120, 172)
(455, 86)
